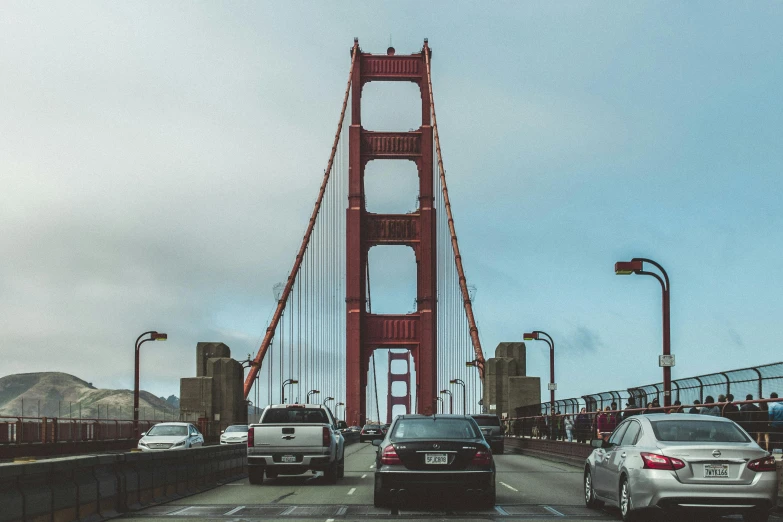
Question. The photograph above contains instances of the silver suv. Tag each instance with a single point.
(492, 430)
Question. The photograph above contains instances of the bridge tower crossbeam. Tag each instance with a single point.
(365, 331)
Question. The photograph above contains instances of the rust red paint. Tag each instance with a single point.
(401, 400)
(365, 331)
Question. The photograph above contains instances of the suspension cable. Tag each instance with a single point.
(457, 257)
(270, 331)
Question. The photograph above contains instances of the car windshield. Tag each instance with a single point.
(697, 431)
(167, 431)
(372, 427)
(487, 421)
(433, 428)
(295, 416)
(242, 427)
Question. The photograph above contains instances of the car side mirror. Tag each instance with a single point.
(597, 443)
(342, 425)
(144, 434)
(222, 432)
(376, 442)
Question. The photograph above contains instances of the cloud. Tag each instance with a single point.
(582, 340)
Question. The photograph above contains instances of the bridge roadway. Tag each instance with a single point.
(527, 489)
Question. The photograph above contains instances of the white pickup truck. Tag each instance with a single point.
(291, 439)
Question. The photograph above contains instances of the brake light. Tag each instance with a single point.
(481, 458)
(389, 456)
(763, 464)
(251, 437)
(326, 437)
(656, 461)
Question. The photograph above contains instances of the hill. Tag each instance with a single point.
(55, 394)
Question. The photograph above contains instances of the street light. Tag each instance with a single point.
(441, 403)
(538, 335)
(153, 336)
(326, 400)
(282, 388)
(451, 400)
(311, 392)
(464, 395)
(636, 266)
(337, 406)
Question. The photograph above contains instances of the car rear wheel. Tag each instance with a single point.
(626, 502)
(332, 473)
(756, 516)
(590, 500)
(488, 499)
(380, 497)
(255, 475)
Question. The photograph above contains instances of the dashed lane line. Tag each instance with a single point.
(238, 508)
(364, 476)
(553, 511)
(509, 487)
(351, 491)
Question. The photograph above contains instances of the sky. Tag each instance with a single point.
(159, 161)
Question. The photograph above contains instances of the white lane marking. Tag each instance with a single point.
(364, 476)
(509, 487)
(180, 511)
(329, 520)
(501, 511)
(352, 490)
(233, 484)
(552, 510)
(238, 508)
(372, 466)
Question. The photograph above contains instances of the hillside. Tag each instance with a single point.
(56, 394)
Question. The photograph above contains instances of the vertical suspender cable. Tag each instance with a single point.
(298, 261)
(457, 257)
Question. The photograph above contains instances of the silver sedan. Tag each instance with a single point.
(681, 463)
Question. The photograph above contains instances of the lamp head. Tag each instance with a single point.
(294, 381)
(453, 381)
(155, 336)
(532, 336)
(627, 267)
(444, 391)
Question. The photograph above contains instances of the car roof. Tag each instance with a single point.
(484, 415)
(173, 424)
(698, 417)
(296, 405)
(434, 417)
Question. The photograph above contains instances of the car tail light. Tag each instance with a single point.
(656, 461)
(251, 437)
(389, 455)
(326, 437)
(482, 458)
(763, 464)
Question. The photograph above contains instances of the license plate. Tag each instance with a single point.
(288, 458)
(436, 458)
(716, 471)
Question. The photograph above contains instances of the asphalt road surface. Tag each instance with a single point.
(527, 489)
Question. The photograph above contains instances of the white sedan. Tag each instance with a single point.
(234, 434)
(171, 435)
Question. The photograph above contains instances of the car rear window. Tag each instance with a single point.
(372, 426)
(697, 431)
(427, 428)
(487, 421)
(295, 416)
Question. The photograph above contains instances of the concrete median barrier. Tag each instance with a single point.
(98, 487)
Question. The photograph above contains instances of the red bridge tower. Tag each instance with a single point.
(365, 331)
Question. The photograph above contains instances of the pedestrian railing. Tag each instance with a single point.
(47, 430)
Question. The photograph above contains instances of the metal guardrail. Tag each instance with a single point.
(43, 430)
(755, 380)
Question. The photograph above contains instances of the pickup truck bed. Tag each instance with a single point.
(291, 439)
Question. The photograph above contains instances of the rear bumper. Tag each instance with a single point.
(304, 463)
(451, 481)
(662, 490)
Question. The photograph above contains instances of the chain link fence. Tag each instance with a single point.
(758, 381)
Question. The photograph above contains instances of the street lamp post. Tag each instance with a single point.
(327, 400)
(337, 406)
(311, 392)
(282, 388)
(538, 335)
(451, 400)
(464, 395)
(636, 266)
(153, 336)
(440, 399)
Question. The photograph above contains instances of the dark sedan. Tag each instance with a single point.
(371, 432)
(434, 454)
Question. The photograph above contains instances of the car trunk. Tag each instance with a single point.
(291, 436)
(437, 455)
(706, 464)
